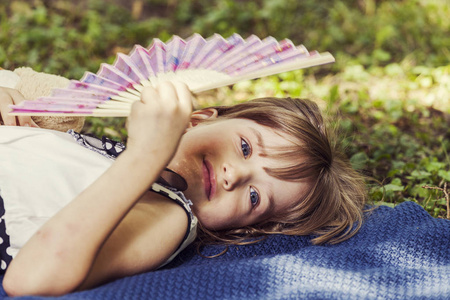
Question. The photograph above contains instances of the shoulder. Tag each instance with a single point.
(192, 221)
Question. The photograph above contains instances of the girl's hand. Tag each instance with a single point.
(159, 119)
(11, 96)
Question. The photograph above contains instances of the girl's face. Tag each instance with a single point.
(223, 163)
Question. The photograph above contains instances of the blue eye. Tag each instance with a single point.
(254, 197)
(246, 150)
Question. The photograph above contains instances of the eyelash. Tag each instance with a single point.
(252, 190)
(247, 151)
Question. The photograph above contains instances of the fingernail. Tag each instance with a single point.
(26, 125)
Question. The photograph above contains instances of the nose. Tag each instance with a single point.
(234, 175)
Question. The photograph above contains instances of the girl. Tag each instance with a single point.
(262, 167)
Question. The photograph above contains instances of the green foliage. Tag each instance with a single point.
(389, 87)
(400, 143)
(68, 37)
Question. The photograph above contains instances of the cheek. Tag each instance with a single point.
(217, 217)
(187, 160)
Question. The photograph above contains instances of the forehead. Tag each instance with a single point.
(284, 194)
(271, 143)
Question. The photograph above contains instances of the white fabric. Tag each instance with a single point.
(30, 195)
(8, 79)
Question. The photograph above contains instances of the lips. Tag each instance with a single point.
(209, 179)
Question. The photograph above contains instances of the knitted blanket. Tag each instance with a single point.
(400, 253)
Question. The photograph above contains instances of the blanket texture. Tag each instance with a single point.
(400, 253)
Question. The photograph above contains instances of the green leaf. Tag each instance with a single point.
(390, 204)
(393, 188)
(359, 160)
(444, 174)
(419, 175)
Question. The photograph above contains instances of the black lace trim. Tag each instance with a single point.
(106, 147)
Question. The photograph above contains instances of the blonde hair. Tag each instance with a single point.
(332, 207)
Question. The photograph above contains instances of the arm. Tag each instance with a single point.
(148, 235)
(64, 253)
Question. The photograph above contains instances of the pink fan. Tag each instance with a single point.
(202, 64)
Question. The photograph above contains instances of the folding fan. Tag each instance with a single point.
(202, 64)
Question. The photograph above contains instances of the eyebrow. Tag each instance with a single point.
(271, 200)
(260, 142)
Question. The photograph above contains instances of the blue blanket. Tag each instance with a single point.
(400, 253)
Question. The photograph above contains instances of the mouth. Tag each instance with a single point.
(209, 179)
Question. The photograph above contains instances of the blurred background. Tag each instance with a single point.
(388, 92)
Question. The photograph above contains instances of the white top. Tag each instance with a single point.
(31, 195)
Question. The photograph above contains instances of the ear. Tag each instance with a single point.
(202, 115)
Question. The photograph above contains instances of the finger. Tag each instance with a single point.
(33, 124)
(167, 93)
(26, 121)
(148, 93)
(13, 97)
(22, 120)
(5, 109)
(184, 95)
(136, 109)
(17, 98)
